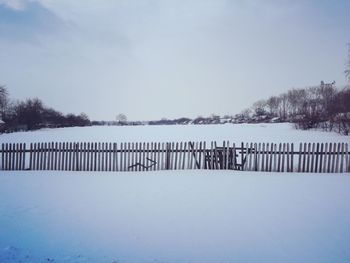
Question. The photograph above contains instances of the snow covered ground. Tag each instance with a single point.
(283, 132)
(175, 216)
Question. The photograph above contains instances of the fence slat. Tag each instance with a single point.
(250, 156)
(337, 158)
(325, 155)
(17, 149)
(48, 154)
(283, 157)
(19, 157)
(292, 158)
(329, 158)
(300, 157)
(154, 156)
(279, 157)
(6, 157)
(288, 158)
(105, 154)
(320, 165)
(148, 163)
(347, 161)
(267, 157)
(341, 169)
(308, 157)
(58, 152)
(247, 158)
(23, 158)
(115, 160)
(333, 157)
(271, 157)
(311, 157)
(262, 154)
(317, 156)
(87, 157)
(2, 156)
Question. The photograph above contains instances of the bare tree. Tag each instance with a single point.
(272, 104)
(4, 101)
(283, 106)
(121, 118)
(347, 70)
(259, 107)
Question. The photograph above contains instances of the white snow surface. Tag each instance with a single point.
(174, 216)
(276, 132)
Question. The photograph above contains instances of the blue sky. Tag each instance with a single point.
(165, 58)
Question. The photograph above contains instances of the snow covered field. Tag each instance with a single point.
(283, 132)
(174, 216)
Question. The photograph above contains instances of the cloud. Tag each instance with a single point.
(17, 5)
(116, 51)
(26, 20)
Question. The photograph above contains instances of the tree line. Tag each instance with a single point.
(32, 114)
(322, 106)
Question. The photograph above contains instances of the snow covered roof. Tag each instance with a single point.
(1, 121)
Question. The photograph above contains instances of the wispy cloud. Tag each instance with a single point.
(17, 5)
(26, 20)
(220, 52)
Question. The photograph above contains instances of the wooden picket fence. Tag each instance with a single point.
(151, 156)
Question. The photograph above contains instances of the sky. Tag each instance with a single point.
(152, 59)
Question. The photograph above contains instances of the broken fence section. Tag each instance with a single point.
(151, 156)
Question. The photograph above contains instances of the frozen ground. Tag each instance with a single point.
(283, 132)
(176, 216)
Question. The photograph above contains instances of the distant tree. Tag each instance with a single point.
(121, 118)
(30, 113)
(4, 101)
(272, 104)
(296, 99)
(84, 119)
(259, 108)
(347, 70)
(214, 116)
(53, 118)
(72, 120)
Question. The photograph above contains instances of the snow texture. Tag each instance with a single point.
(174, 216)
(276, 133)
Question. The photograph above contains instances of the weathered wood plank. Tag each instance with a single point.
(292, 157)
(329, 164)
(341, 168)
(279, 157)
(325, 162)
(262, 154)
(250, 156)
(2, 156)
(333, 157)
(337, 158)
(347, 161)
(320, 165)
(283, 157)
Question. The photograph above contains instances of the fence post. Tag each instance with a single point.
(167, 157)
(2, 156)
(242, 156)
(76, 152)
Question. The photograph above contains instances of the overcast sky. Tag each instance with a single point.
(151, 59)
